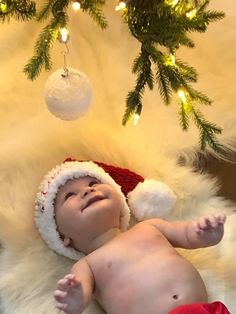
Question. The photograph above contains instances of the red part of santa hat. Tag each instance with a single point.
(145, 198)
(126, 178)
(201, 308)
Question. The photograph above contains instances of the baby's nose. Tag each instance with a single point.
(87, 191)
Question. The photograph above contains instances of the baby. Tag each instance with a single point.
(133, 271)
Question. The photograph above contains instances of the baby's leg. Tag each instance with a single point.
(69, 295)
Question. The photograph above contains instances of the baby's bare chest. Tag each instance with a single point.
(140, 272)
(138, 251)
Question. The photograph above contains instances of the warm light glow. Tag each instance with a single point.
(76, 5)
(182, 95)
(136, 118)
(120, 6)
(172, 2)
(3, 7)
(191, 14)
(170, 60)
(64, 35)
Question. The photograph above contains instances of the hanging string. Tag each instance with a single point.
(65, 52)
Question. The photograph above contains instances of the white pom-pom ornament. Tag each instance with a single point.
(68, 94)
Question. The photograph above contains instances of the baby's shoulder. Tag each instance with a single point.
(145, 226)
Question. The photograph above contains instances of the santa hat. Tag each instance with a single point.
(145, 198)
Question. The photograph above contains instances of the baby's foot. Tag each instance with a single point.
(69, 295)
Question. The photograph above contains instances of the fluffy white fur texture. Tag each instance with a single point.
(29, 270)
(151, 198)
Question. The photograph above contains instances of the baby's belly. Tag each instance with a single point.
(152, 286)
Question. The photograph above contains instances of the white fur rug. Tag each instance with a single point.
(29, 270)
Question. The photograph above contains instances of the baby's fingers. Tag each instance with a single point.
(59, 295)
(63, 284)
(221, 218)
(204, 223)
(67, 282)
(62, 306)
(211, 221)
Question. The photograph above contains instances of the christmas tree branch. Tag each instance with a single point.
(161, 27)
(166, 24)
(58, 10)
(21, 10)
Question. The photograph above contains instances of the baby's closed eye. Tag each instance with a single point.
(92, 183)
(68, 195)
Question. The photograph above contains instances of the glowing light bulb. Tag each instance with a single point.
(172, 2)
(76, 5)
(136, 118)
(170, 60)
(182, 95)
(120, 6)
(64, 35)
(3, 7)
(191, 14)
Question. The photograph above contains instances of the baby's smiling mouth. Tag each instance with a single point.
(92, 200)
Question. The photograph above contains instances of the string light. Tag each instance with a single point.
(120, 6)
(137, 115)
(170, 60)
(191, 14)
(182, 95)
(172, 2)
(3, 7)
(136, 118)
(64, 35)
(76, 5)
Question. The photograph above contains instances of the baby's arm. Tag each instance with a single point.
(203, 232)
(75, 290)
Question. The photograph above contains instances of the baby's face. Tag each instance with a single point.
(85, 209)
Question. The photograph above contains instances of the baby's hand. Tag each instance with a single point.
(69, 295)
(210, 228)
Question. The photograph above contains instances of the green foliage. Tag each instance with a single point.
(161, 27)
(94, 9)
(47, 37)
(21, 10)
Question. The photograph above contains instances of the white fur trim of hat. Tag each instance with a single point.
(44, 207)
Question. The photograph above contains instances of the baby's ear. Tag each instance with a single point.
(67, 241)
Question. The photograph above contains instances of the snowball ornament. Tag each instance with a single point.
(68, 94)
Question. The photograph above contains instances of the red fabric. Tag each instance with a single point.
(125, 178)
(201, 308)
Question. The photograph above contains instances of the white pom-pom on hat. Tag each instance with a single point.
(68, 95)
(151, 199)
